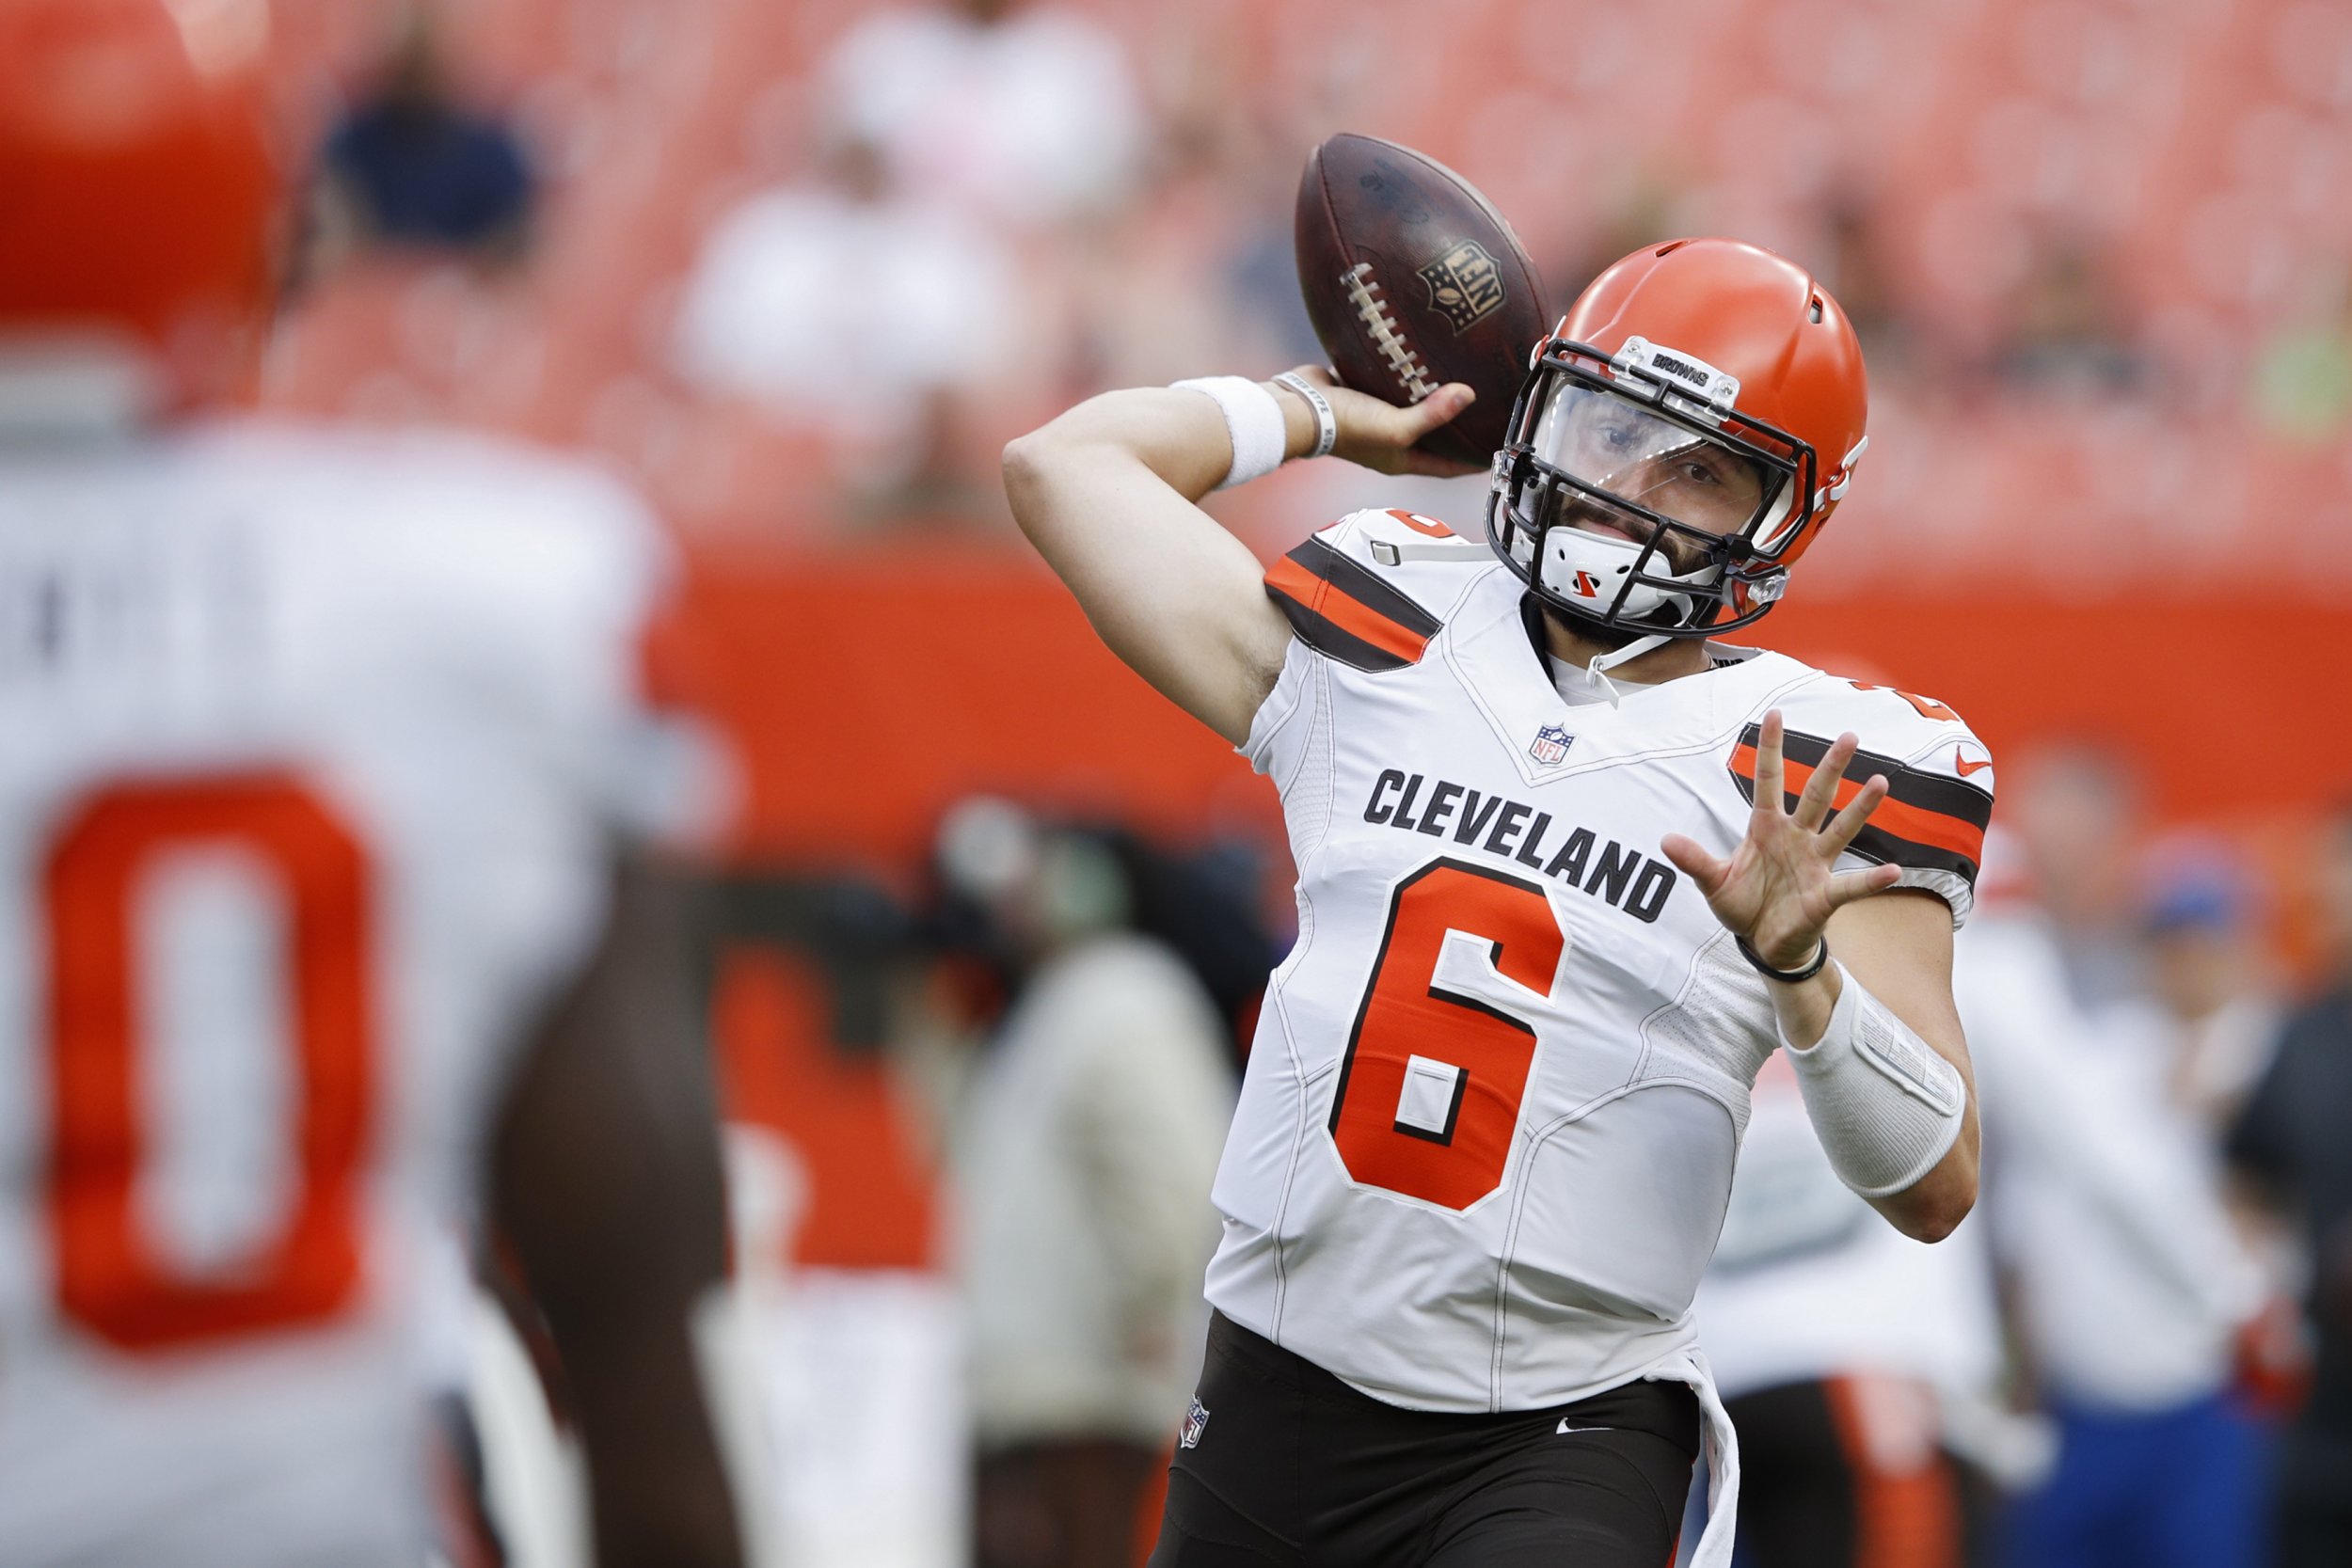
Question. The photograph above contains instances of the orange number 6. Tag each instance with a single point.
(1429, 1092)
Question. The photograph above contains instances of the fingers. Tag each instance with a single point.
(1691, 858)
(1770, 792)
(1439, 406)
(1379, 434)
(1820, 790)
(1849, 886)
(1847, 823)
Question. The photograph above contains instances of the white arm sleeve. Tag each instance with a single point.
(1885, 1104)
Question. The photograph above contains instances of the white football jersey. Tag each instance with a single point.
(1487, 1135)
(317, 745)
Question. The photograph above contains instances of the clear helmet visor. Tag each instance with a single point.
(1628, 451)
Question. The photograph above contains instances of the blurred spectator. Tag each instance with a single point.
(1025, 116)
(2065, 335)
(2292, 1141)
(411, 166)
(2208, 978)
(2127, 1281)
(845, 306)
(1199, 272)
(2076, 814)
(1083, 1152)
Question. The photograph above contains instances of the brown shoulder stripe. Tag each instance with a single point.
(1926, 821)
(1342, 609)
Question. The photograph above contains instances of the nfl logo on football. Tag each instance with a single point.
(1551, 746)
(1196, 1420)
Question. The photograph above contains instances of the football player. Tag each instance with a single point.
(1570, 871)
(310, 924)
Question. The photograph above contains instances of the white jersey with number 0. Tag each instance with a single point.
(1487, 1135)
(316, 746)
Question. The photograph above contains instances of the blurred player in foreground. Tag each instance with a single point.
(1569, 872)
(310, 925)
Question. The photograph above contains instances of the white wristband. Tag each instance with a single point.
(1885, 1104)
(1253, 419)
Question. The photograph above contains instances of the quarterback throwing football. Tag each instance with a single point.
(1569, 872)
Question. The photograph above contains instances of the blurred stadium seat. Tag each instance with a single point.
(2196, 146)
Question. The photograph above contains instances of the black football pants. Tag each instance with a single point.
(1293, 1466)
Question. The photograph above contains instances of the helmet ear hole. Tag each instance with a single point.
(1814, 310)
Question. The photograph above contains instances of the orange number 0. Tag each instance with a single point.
(111, 1278)
(1449, 1141)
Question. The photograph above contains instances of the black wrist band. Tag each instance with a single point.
(1786, 976)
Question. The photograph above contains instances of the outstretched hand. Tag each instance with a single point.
(1381, 435)
(1780, 886)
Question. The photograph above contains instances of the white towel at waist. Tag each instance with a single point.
(1721, 1445)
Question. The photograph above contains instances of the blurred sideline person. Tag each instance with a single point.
(410, 167)
(763, 316)
(2077, 818)
(2294, 1140)
(1569, 872)
(1850, 1359)
(311, 931)
(1027, 117)
(2210, 1001)
(2126, 1280)
(1082, 1153)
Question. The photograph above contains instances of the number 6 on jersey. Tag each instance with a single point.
(1429, 1091)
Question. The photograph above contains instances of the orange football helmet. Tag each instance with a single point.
(139, 196)
(1680, 438)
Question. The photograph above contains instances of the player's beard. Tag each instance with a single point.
(1535, 613)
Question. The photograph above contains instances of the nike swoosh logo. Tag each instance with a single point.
(1564, 1427)
(1966, 767)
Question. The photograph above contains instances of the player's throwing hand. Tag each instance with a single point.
(1384, 437)
(1780, 886)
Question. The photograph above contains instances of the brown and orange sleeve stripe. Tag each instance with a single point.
(1342, 609)
(1926, 821)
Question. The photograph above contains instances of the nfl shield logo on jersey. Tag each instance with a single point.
(1551, 746)
(1195, 1421)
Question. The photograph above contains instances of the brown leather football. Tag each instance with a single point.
(1413, 280)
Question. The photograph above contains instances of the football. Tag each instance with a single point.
(1413, 280)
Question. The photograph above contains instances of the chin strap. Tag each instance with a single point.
(1602, 663)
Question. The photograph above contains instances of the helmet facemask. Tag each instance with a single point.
(1632, 493)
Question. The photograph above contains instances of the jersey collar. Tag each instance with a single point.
(1487, 643)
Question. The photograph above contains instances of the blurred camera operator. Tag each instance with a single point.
(1082, 1152)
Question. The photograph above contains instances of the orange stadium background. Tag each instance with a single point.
(2164, 574)
(2169, 572)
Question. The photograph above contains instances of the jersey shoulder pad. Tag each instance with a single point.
(1939, 775)
(1370, 590)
